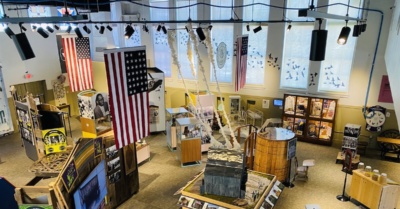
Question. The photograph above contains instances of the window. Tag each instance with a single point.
(296, 51)
(40, 11)
(222, 36)
(162, 53)
(256, 53)
(336, 68)
(2, 25)
(183, 37)
(135, 39)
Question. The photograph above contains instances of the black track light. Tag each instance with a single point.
(257, 29)
(9, 32)
(48, 28)
(102, 28)
(158, 28)
(356, 30)
(56, 27)
(69, 29)
(145, 28)
(289, 27)
(86, 29)
(42, 32)
(344, 35)
(363, 27)
(109, 28)
(164, 29)
(78, 32)
(34, 28)
(200, 33)
(187, 29)
(210, 27)
(97, 27)
(22, 27)
(248, 27)
(129, 31)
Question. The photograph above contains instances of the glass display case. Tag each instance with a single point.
(188, 144)
(312, 118)
(172, 115)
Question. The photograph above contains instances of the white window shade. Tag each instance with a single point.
(221, 13)
(257, 12)
(222, 35)
(183, 13)
(292, 13)
(135, 39)
(295, 64)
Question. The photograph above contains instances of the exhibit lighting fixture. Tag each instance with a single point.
(42, 32)
(257, 29)
(129, 31)
(22, 27)
(56, 27)
(363, 27)
(102, 28)
(344, 35)
(164, 29)
(318, 43)
(34, 27)
(145, 28)
(200, 33)
(356, 30)
(48, 28)
(187, 29)
(86, 29)
(210, 27)
(9, 32)
(97, 27)
(248, 27)
(109, 28)
(78, 32)
(289, 27)
(158, 28)
(69, 29)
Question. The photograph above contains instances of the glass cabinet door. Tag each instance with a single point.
(329, 107)
(325, 131)
(316, 108)
(301, 106)
(299, 126)
(290, 102)
(313, 128)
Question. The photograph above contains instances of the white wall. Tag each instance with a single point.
(392, 58)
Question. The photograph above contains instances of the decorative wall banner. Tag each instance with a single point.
(6, 125)
(60, 95)
(385, 94)
(54, 140)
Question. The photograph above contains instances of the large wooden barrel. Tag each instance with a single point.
(271, 157)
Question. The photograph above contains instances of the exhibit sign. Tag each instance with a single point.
(54, 140)
(291, 153)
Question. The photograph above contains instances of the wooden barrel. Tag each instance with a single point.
(271, 157)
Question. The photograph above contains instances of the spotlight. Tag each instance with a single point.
(159, 28)
(318, 45)
(200, 33)
(102, 28)
(86, 29)
(69, 29)
(164, 29)
(344, 35)
(42, 32)
(289, 27)
(363, 27)
(56, 27)
(9, 32)
(48, 28)
(34, 27)
(129, 31)
(97, 27)
(187, 29)
(210, 27)
(145, 28)
(248, 27)
(22, 27)
(78, 32)
(109, 28)
(257, 29)
(356, 30)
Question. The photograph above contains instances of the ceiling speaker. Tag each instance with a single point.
(24, 48)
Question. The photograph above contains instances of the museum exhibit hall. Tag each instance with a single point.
(199, 104)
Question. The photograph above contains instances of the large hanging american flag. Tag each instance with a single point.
(241, 61)
(127, 86)
(78, 63)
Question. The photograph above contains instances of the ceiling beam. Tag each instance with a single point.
(17, 20)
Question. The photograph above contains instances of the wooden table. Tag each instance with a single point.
(65, 106)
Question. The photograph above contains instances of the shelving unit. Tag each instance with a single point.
(312, 118)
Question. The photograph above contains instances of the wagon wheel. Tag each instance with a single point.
(390, 133)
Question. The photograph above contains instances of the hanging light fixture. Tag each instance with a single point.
(210, 27)
(78, 32)
(200, 33)
(289, 27)
(34, 27)
(56, 27)
(129, 31)
(97, 27)
(22, 27)
(344, 35)
(164, 29)
(48, 28)
(109, 28)
(42, 32)
(102, 28)
(86, 29)
(257, 29)
(318, 43)
(9, 32)
(145, 28)
(248, 27)
(69, 29)
(356, 30)
(158, 28)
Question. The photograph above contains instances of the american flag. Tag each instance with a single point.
(241, 62)
(78, 63)
(127, 87)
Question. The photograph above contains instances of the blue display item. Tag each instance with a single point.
(93, 189)
(7, 190)
(278, 102)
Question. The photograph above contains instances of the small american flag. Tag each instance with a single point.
(241, 62)
(127, 86)
(78, 63)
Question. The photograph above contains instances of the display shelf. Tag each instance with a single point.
(261, 196)
(312, 118)
(172, 114)
(188, 146)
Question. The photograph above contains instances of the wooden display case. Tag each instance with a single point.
(172, 115)
(312, 118)
(373, 194)
(188, 146)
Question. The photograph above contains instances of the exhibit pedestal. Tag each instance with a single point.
(142, 152)
(189, 152)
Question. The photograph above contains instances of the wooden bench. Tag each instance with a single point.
(389, 143)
